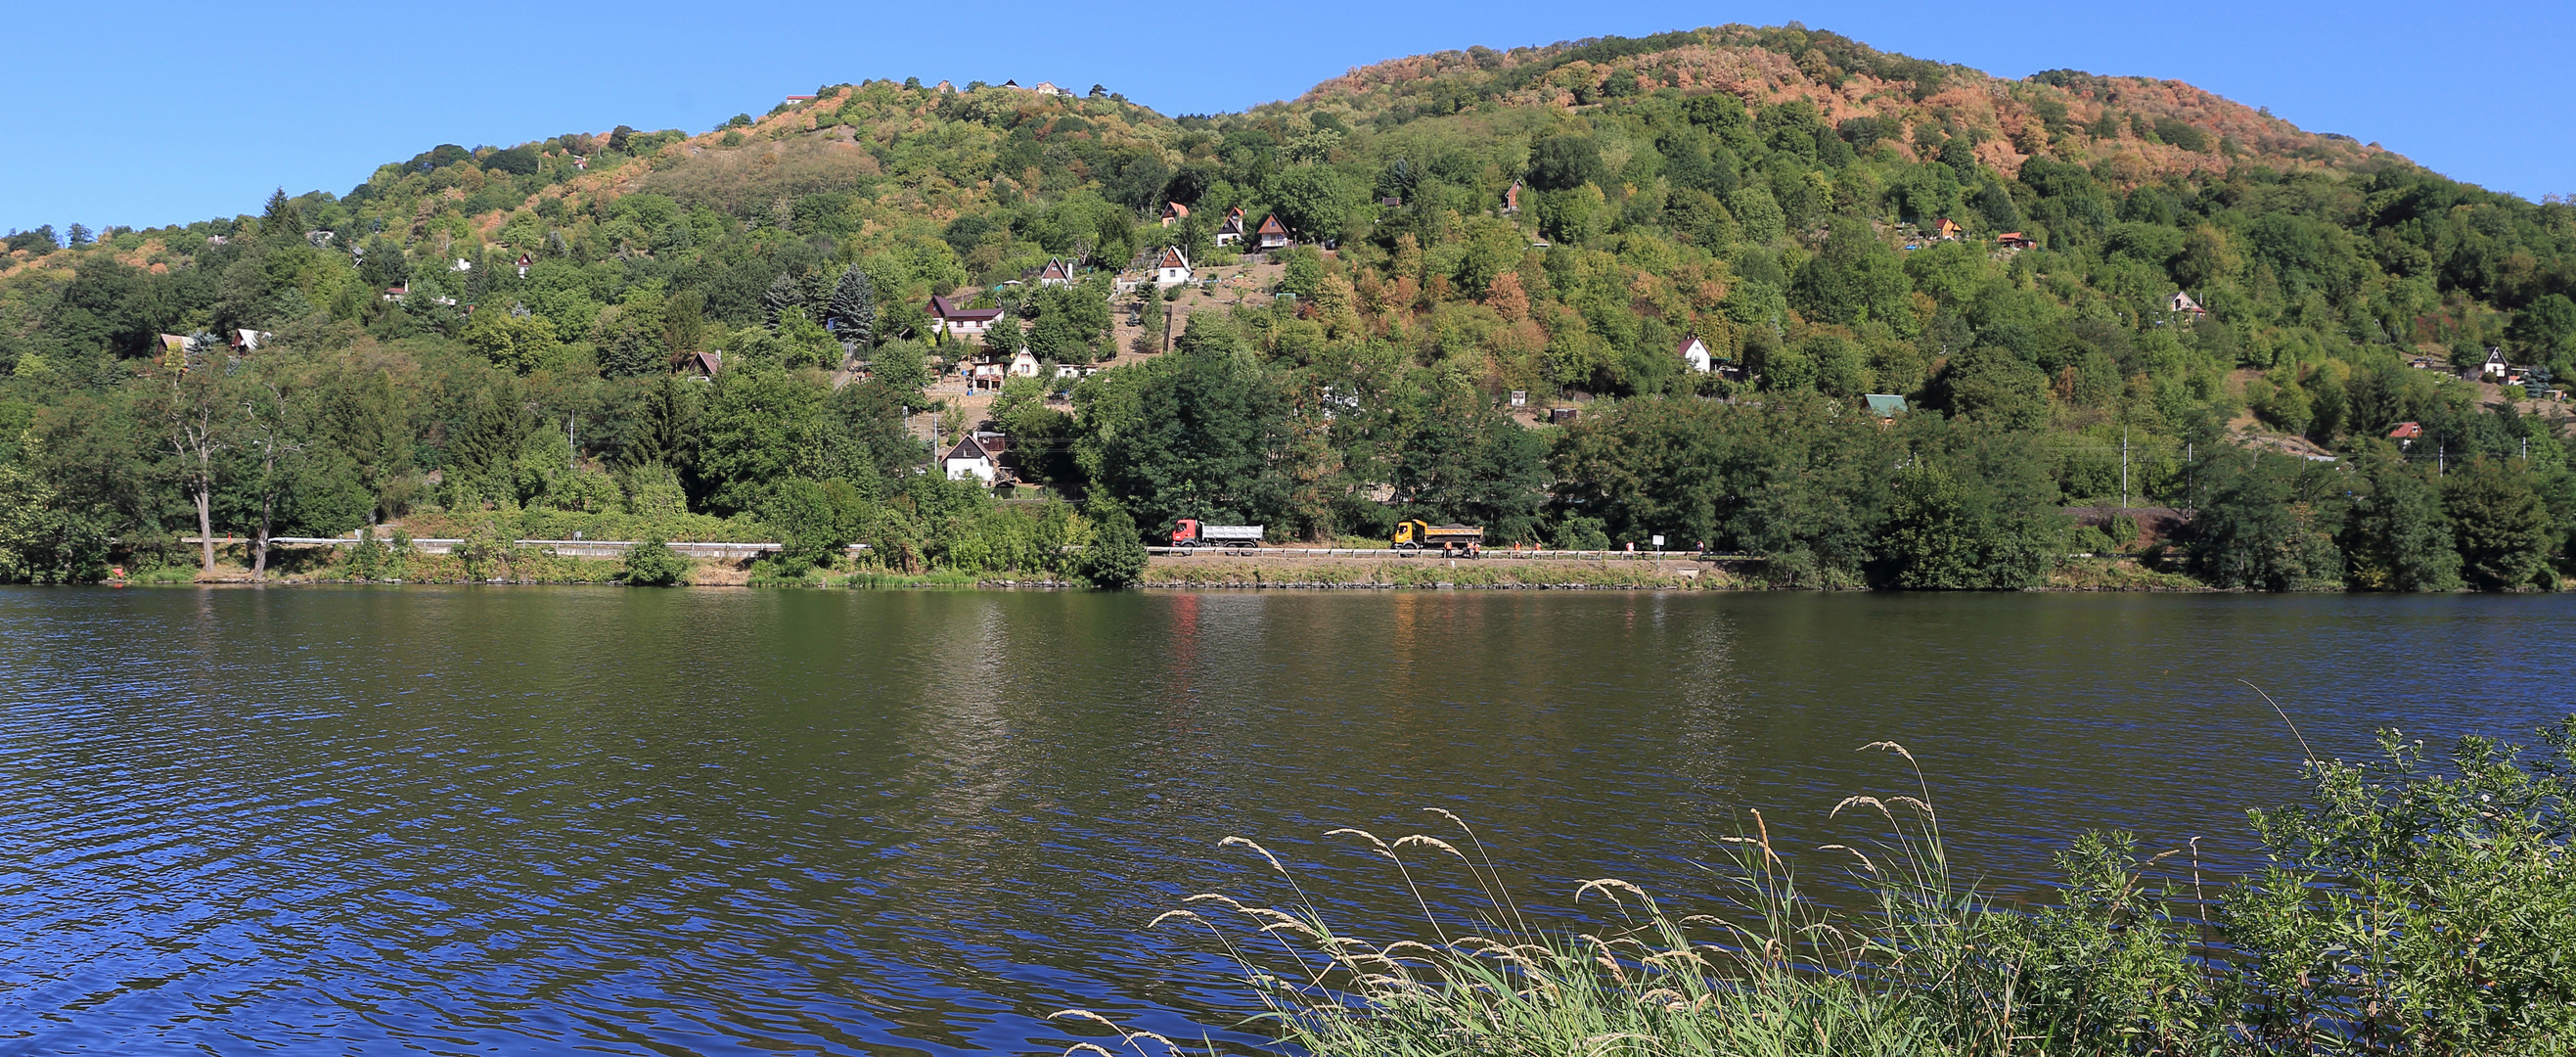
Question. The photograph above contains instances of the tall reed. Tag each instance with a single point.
(2402, 912)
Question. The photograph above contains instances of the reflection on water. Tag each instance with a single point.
(884, 822)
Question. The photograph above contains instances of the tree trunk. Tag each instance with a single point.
(205, 521)
(267, 503)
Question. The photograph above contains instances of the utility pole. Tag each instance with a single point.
(572, 460)
(2124, 467)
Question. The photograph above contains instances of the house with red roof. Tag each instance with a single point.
(1272, 234)
(1694, 353)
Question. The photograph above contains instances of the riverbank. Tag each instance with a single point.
(294, 565)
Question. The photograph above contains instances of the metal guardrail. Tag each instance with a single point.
(1489, 552)
(565, 548)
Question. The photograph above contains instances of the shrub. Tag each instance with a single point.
(652, 563)
(1115, 560)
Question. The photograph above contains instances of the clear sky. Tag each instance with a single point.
(153, 112)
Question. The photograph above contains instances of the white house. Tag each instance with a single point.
(1172, 270)
(1024, 365)
(2181, 303)
(461, 265)
(2496, 367)
(1272, 235)
(1694, 353)
(1056, 273)
(1231, 231)
(250, 340)
(978, 456)
(525, 261)
(947, 317)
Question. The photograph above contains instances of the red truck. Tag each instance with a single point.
(1188, 532)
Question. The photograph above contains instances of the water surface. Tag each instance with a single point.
(476, 820)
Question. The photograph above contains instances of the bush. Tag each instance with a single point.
(816, 522)
(652, 563)
(1115, 560)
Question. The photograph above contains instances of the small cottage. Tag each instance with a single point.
(1512, 199)
(698, 364)
(1172, 270)
(250, 340)
(1885, 406)
(1946, 229)
(949, 318)
(1694, 353)
(2495, 367)
(525, 261)
(2182, 304)
(1023, 365)
(2015, 241)
(977, 456)
(1231, 231)
(1056, 273)
(1272, 234)
(1174, 211)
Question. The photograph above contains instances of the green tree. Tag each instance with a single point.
(2503, 531)
(2256, 533)
(1310, 199)
(1856, 279)
(1115, 558)
(784, 295)
(757, 428)
(1564, 161)
(852, 316)
(1188, 435)
(2396, 537)
(42, 540)
(815, 521)
(512, 341)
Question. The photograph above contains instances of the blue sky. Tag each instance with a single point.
(149, 113)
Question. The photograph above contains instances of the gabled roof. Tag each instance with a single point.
(1172, 258)
(1055, 269)
(2406, 431)
(1689, 340)
(1175, 210)
(1270, 225)
(969, 448)
(1885, 405)
(943, 308)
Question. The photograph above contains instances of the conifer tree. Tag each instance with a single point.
(784, 296)
(852, 315)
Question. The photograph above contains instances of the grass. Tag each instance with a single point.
(2403, 912)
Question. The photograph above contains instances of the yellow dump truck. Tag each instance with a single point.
(1423, 535)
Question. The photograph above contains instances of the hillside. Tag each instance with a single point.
(2050, 270)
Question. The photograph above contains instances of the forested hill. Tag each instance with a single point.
(1827, 220)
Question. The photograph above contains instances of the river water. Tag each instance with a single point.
(514, 820)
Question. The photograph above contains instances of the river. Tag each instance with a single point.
(476, 820)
